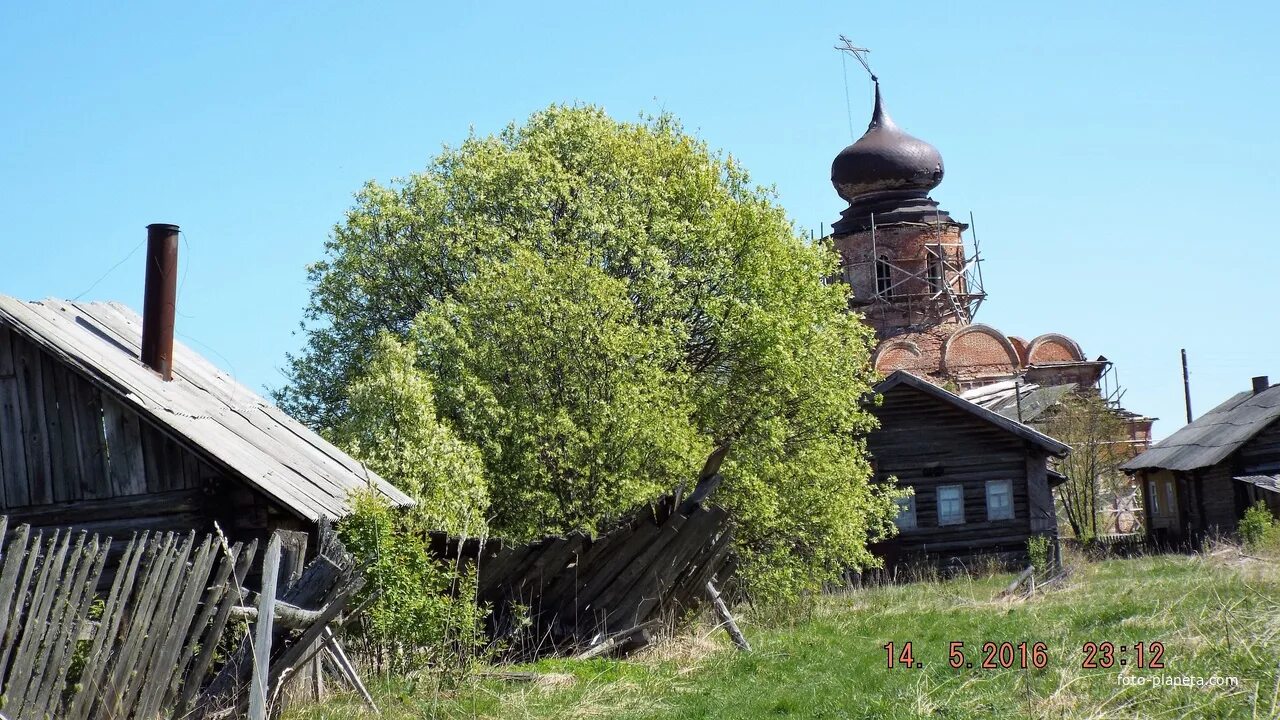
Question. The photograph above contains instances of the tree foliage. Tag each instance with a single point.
(596, 305)
(391, 425)
(1096, 436)
(416, 611)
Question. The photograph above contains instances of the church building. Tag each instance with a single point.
(915, 277)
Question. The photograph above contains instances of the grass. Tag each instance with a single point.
(1217, 614)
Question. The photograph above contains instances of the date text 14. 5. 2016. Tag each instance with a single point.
(1028, 655)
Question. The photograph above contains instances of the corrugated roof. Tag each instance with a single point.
(1026, 432)
(202, 406)
(1212, 436)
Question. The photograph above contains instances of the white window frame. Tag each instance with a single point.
(1152, 486)
(906, 519)
(950, 520)
(1007, 510)
(1169, 496)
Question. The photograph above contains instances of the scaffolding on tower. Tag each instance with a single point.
(946, 282)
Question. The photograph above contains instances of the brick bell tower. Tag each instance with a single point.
(904, 258)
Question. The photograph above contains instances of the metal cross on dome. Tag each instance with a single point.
(859, 53)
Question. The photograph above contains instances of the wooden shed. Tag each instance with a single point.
(982, 482)
(1199, 480)
(90, 437)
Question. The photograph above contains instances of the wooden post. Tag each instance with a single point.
(349, 670)
(262, 633)
(722, 612)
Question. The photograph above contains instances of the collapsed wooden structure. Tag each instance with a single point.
(574, 591)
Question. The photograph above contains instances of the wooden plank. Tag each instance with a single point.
(132, 506)
(59, 642)
(42, 600)
(164, 667)
(153, 458)
(104, 639)
(72, 634)
(139, 620)
(12, 590)
(27, 369)
(259, 688)
(193, 681)
(13, 632)
(13, 453)
(92, 442)
(161, 616)
(124, 448)
(64, 455)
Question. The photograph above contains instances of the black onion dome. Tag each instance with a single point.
(885, 159)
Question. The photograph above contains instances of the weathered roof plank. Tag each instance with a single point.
(201, 407)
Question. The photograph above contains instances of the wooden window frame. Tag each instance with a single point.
(1008, 511)
(944, 521)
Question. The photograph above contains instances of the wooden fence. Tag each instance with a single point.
(145, 646)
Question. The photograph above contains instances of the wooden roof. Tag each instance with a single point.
(202, 407)
(1031, 435)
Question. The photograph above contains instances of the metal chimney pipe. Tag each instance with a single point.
(1260, 383)
(159, 299)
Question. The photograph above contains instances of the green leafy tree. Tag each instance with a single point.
(391, 425)
(542, 363)
(597, 304)
(1098, 448)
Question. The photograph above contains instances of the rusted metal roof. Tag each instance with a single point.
(1026, 432)
(1212, 436)
(201, 407)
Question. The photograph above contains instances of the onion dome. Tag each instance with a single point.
(886, 160)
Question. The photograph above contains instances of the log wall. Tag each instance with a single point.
(73, 456)
(925, 443)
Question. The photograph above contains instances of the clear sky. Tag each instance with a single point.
(1120, 158)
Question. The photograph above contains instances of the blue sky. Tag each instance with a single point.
(1121, 159)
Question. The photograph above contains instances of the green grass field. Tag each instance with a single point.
(1217, 616)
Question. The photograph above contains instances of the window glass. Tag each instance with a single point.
(1155, 499)
(950, 505)
(999, 500)
(906, 519)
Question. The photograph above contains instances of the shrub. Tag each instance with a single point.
(418, 612)
(1040, 552)
(1257, 526)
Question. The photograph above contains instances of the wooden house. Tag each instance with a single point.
(1199, 480)
(93, 437)
(982, 482)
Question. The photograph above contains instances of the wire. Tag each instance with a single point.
(848, 104)
(186, 268)
(109, 271)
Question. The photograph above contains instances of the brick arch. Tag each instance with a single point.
(1019, 345)
(979, 350)
(1053, 348)
(899, 355)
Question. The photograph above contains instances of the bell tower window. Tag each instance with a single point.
(884, 277)
(934, 272)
